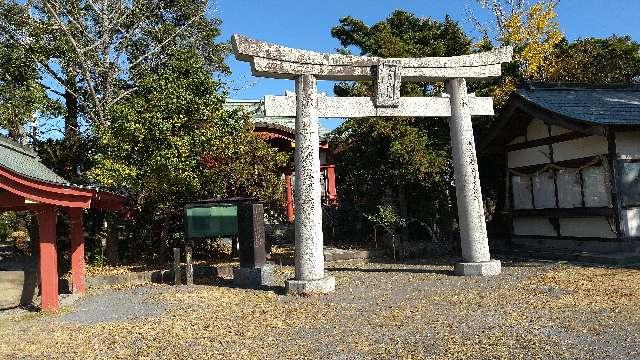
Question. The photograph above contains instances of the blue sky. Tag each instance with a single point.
(306, 24)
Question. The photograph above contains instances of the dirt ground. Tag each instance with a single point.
(379, 311)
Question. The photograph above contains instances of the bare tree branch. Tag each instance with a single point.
(99, 49)
(82, 60)
(159, 47)
(123, 95)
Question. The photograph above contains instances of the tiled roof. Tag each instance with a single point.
(595, 106)
(256, 109)
(24, 161)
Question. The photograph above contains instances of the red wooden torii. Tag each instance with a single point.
(279, 132)
(27, 184)
(284, 138)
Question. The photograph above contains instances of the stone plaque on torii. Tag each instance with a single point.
(305, 67)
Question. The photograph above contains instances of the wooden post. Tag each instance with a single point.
(176, 266)
(77, 251)
(189, 265)
(614, 176)
(48, 259)
(234, 247)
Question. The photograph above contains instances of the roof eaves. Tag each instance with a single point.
(549, 114)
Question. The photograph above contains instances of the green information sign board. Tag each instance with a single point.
(211, 220)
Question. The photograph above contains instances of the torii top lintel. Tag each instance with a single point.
(280, 62)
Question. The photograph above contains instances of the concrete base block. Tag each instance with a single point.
(301, 287)
(485, 268)
(254, 277)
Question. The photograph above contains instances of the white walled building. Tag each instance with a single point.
(572, 156)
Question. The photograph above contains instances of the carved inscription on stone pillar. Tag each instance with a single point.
(388, 84)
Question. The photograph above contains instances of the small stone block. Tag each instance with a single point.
(485, 268)
(254, 277)
(306, 287)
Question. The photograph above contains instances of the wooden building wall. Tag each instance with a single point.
(559, 184)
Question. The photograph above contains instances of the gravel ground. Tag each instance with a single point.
(379, 311)
(129, 304)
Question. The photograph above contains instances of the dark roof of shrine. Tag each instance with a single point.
(23, 160)
(584, 109)
(612, 106)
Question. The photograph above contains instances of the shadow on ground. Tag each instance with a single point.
(391, 270)
(228, 283)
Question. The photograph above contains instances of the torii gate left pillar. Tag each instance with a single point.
(309, 258)
(305, 67)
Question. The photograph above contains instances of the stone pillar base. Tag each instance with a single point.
(254, 277)
(306, 287)
(485, 268)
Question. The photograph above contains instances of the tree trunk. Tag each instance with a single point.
(164, 241)
(17, 134)
(111, 248)
(403, 210)
(71, 117)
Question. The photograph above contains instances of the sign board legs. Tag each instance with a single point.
(309, 259)
(473, 230)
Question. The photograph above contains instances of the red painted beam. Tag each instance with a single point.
(40, 185)
(9, 200)
(289, 194)
(51, 194)
(78, 283)
(107, 201)
(332, 193)
(48, 259)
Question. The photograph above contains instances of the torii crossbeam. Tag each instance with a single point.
(305, 67)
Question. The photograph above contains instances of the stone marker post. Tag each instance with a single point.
(309, 258)
(473, 230)
(254, 271)
(251, 236)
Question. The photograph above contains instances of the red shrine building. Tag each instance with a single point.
(28, 185)
(280, 133)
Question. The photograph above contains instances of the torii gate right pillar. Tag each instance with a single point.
(473, 230)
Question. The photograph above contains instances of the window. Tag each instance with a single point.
(521, 192)
(630, 184)
(596, 186)
(544, 190)
(569, 188)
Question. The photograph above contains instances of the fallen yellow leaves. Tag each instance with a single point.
(380, 311)
(595, 287)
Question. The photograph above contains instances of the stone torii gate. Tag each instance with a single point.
(305, 67)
